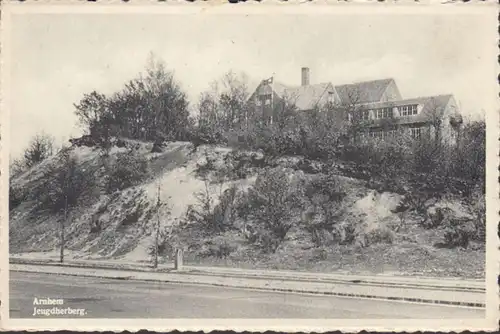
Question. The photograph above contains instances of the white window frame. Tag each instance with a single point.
(382, 113)
(365, 115)
(408, 110)
(416, 132)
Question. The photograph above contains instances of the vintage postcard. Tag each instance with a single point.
(286, 167)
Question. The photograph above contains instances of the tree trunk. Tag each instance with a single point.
(157, 236)
(63, 223)
(155, 264)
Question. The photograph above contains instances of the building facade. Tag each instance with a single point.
(377, 104)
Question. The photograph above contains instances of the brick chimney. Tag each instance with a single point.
(305, 76)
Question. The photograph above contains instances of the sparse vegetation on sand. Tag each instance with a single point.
(301, 193)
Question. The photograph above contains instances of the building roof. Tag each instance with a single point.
(363, 92)
(280, 88)
(430, 105)
(306, 97)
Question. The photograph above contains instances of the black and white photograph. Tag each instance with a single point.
(265, 165)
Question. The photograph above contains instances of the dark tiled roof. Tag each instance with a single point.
(363, 92)
(430, 105)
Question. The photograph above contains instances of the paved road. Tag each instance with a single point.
(108, 298)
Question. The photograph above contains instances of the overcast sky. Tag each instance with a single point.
(58, 58)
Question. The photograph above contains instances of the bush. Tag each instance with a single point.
(377, 236)
(458, 235)
(128, 170)
(16, 197)
(211, 217)
(220, 246)
(479, 211)
(324, 195)
(273, 206)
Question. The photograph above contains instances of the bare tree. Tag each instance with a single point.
(353, 113)
(224, 106)
(435, 116)
(40, 148)
(65, 184)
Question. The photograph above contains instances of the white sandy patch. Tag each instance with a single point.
(376, 207)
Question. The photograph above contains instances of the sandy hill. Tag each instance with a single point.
(382, 238)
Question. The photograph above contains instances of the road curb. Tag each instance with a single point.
(275, 289)
(365, 282)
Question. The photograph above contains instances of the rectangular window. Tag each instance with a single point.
(382, 113)
(408, 110)
(264, 99)
(258, 102)
(331, 98)
(365, 115)
(416, 132)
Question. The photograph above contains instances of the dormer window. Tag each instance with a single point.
(408, 110)
(382, 113)
(365, 115)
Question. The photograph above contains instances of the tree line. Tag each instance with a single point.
(154, 107)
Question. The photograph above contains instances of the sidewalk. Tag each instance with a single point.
(424, 290)
(455, 284)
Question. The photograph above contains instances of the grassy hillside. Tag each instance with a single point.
(247, 209)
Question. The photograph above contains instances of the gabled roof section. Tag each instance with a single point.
(280, 88)
(430, 105)
(363, 92)
(306, 97)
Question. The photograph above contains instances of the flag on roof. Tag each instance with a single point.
(267, 81)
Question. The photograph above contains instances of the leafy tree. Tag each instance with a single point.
(151, 105)
(91, 110)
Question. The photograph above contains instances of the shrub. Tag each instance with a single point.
(324, 195)
(16, 197)
(458, 235)
(220, 248)
(128, 170)
(377, 236)
(273, 206)
(479, 212)
(211, 217)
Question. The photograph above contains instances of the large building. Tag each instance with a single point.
(374, 103)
